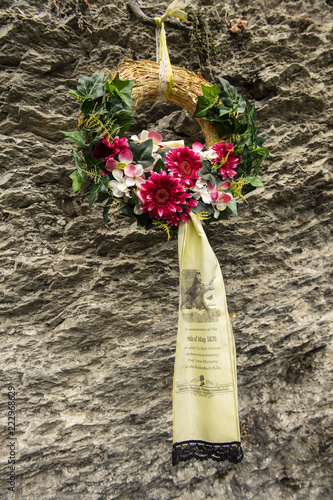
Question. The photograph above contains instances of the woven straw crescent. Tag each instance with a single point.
(185, 90)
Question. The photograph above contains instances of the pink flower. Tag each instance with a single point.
(134, 175)
(219, 197)
(184, 163)
(145, 135)
(226, 159)
(164, 197)
(125, 158)
(108, 149)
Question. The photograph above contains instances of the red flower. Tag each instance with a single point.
(108, 149)
(164, 197)
(226, 159)
(184, 163)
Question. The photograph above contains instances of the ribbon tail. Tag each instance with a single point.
(205, 407)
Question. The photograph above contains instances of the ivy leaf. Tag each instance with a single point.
(91, 87)
(224, 214)
(143, 220)
(232, 204)
(142, 152)
(254, 181)
(89, 106)
(78, 180)
(78, 136)
(223, 110)
(128, 210)
(230, 97)
(78, 176)
(205, 172)
(211, 92)
(106, 209)
(159, 165)
(75, 94)
(204, 104)
(93, 162)
(202, 207)
(95, 188)
(123, 88)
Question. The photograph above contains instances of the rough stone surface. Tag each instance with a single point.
(89, 312)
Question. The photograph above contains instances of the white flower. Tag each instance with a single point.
(119, 186)
(200, 191)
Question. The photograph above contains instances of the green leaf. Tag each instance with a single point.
(89, 107)
(202, 207)
(79, 176)
(91, 87)
(224, 214)
(78, 136)
(93, 162)
(233, 206)
(75, 94)
(261, 151)
(223, 110)
(211, 92)
(207, 173)
(256, 182)
(128, 210)
(159, 165)
(230, 97)
(78, 180)
(106, 209)
(121, 87)
(142, 153)
(143, 220)
(164, 151)
(204, 104)
(95, 188)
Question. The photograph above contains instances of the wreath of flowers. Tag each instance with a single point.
(161, 183)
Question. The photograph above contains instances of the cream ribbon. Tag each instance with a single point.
(162, 55)
(205, 386)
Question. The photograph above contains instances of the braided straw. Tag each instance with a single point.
(185, 90)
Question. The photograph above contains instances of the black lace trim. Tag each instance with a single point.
(202, 450)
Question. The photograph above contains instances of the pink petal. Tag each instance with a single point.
(130, 170)
(111, 164)
(157, 138)
(125, 156)
(226, 197)
(139, 195)
(197, 147)
(210, 186)
(225, 185)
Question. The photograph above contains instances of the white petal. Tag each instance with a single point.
(139, 170)
(130, 181)
(206, 197)
(143, 136)
(118, 174)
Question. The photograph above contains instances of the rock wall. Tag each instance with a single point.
(89, 311)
